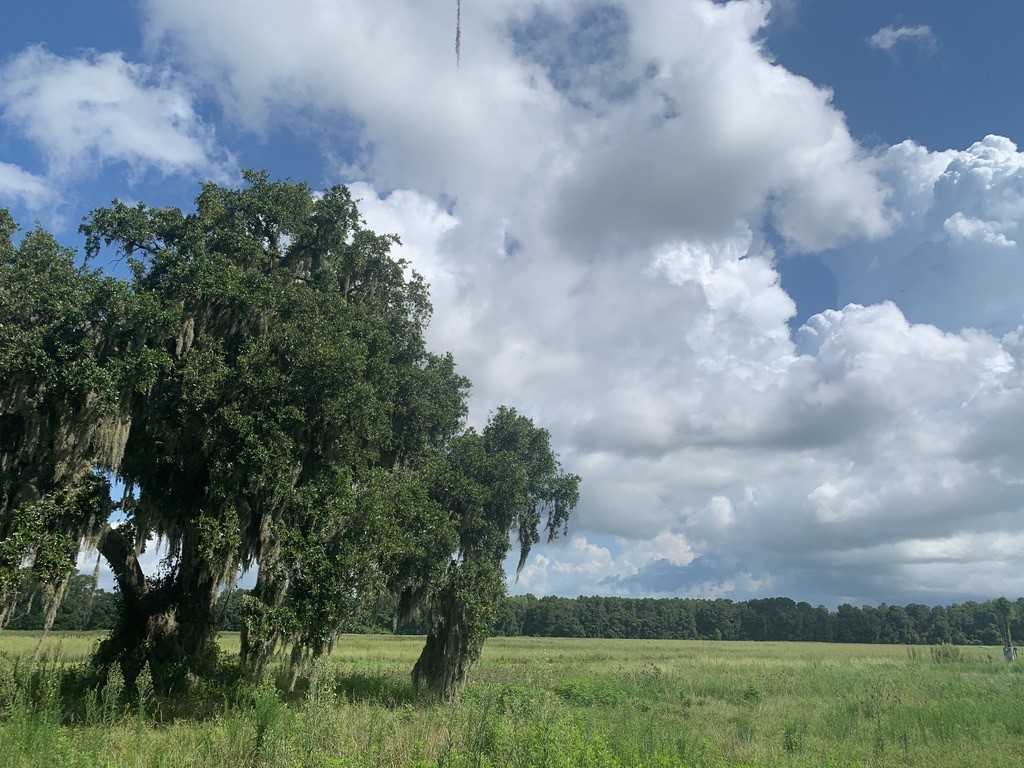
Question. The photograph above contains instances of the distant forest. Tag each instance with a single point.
(776, 618)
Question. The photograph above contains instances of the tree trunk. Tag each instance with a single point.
(294, 665)
(171, 625)
(445, 660)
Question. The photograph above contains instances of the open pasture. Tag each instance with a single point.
(539, 702)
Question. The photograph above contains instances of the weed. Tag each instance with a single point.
(110, 695)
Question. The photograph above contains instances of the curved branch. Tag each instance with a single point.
(119, 553)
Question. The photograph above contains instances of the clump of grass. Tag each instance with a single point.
(793, 735)
(144, 694)
(9, 688)
(944, 653)
(587, 692)
(521, 700)
(270, 743)
(753, 694)
(379, 688)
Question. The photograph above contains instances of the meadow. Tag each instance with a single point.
(535, 702)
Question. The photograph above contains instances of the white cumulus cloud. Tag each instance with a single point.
(18, 184)
(100, 108)
(965, 229)
(701, 426)
(698, 128)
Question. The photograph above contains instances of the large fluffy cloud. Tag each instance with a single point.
(98, 109)
(670, 122)
(714, 132)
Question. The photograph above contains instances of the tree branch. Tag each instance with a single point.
(119, 553)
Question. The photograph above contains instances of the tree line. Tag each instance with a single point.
(989, 622)
(259, 386)
(770, 619)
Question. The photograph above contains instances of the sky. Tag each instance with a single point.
(755, 265)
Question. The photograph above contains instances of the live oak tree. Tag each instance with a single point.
(295, 383)
(284, 365)
(261, 388)
(506, 481)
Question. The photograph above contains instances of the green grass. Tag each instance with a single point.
(538, 702)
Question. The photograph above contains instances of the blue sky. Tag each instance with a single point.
(755, 264)
(939, 93)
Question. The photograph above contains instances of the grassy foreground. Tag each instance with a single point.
(539, 702)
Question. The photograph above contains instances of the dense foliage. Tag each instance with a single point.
(262, 390)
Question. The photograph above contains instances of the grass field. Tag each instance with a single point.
(541, 702)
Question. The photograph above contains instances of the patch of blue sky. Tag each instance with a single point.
(296, 146)
(662, 576)
(68, 28)
(585, 56)
(511, 245)
(945, 93)
(306, 148)
(517, 586)
(811, 284)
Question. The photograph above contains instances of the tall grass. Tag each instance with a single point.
(532, 702)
